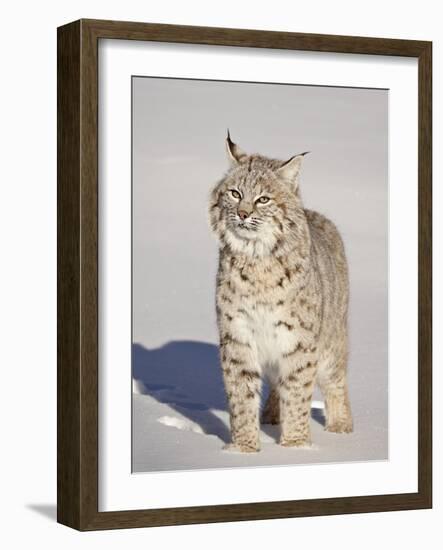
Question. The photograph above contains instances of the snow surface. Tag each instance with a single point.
(180, 420)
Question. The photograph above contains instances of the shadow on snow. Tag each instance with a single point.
(186, 375)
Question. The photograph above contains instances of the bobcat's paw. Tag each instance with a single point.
(340, 426)
(284, 442)
(241, 448)
(270, 417)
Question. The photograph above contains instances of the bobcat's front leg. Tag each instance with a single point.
(242, 383)
(296, 387)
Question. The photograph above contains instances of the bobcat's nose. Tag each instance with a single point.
(243, 214)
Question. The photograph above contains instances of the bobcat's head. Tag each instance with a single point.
(256, 208)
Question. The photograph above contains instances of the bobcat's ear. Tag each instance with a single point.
(290, 169)
(235, 154)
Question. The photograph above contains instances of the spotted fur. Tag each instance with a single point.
(282, 300)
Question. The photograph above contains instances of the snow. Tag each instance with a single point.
(180, 419)
(181, 424)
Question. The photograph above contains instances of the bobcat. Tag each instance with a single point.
(281, 300)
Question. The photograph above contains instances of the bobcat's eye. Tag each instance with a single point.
(263, 200)
(235, 194)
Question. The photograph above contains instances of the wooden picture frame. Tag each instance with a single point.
(77, 456)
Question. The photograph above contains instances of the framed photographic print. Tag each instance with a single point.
(244, 274)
